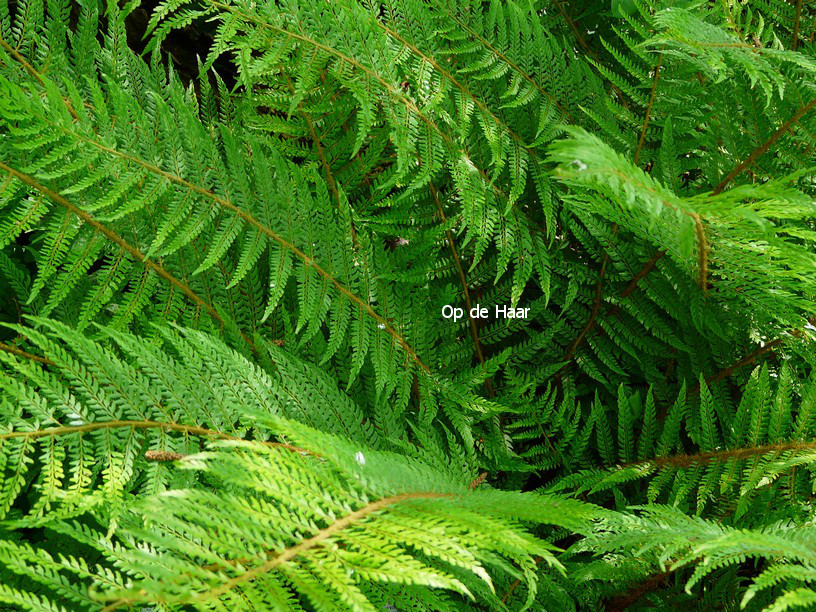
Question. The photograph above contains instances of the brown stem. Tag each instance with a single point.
(761, 149)
(474, 331)
(796, 21)
(514, 585)
(731, 454)
(702, 254)
(22, 61)
(189, 429)
(648, 114)
(320, 154)
(497, 52)
(477, 481)
(459, 85)
(251, 220)
(626, 599)
(113, 237)
(644, 271)
(593, 317)
(32, 71)
(324, 162)
(744, 361)
(21, 353)
(574, 27)
(320, 536)
(758, 152)
(652, 263)
(751, 357)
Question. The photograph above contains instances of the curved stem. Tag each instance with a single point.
(518, 69)
(644, 271)
(390, 89)
(21, 353)
(593, 317)
(302, 547)
(648, 114)
(323, 534)
(729, 454)
(474, 331)
(245, 216)
(239, 212)
(761, 149)
(751, 357)
(187, 429)
(459, 85)
(113, 237)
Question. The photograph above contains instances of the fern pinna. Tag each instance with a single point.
(228, 231)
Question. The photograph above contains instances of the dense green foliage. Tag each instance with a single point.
(228, 230)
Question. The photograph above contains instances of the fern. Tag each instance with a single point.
(336, 482)
(230, 230)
